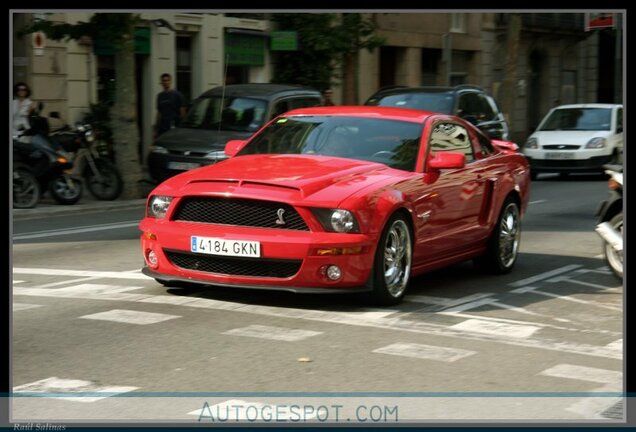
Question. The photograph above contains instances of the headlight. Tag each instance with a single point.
(159, 149)
(532, 143)
(216, 155)
(337, 220)
(595, 143)
(158, 206)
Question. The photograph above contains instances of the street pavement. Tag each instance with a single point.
(48, 207)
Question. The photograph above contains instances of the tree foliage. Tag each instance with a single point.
(324, 40)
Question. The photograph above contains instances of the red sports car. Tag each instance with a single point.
(345, 199)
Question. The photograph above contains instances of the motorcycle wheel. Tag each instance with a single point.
(613, 257)
(65, 190)
(26, 189)
(109, 186)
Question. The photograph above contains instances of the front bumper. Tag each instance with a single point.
(567, 161)
(171, 241)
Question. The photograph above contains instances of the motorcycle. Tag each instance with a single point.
(610, 220)
(36, 168)
(89, 160)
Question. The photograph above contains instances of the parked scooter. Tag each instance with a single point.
(36, 168)
(610, 220)
(101, 176)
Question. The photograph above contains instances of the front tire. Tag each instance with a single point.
(106, 186)
(392, 264)
(613, 257)
(503, 245)
(65, 190)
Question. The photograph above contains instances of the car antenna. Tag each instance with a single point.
(227, 61)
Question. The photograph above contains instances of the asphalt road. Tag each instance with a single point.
(543, 343)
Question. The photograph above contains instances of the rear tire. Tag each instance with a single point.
(26, 189)
(392, 264)
(503, 245)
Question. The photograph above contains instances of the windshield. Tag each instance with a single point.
(435, 102)
(236, 114)
(582, 119)
(391, 142)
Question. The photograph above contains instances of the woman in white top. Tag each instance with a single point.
(22, 107)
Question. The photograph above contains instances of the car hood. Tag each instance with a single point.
(567, 137)
(297, 178)
(198, 140)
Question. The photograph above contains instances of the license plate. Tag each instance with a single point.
(220, 246)
(559, 155)
(183, 166)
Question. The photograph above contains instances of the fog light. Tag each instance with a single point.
(334, 272)
(151, 258)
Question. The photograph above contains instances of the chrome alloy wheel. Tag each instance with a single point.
(509, 234)
(397, 258)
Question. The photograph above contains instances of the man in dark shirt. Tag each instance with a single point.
(170, 106)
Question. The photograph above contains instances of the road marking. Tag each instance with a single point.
(537, 202)
(470, 305)
(584, 373)
(545, 275)
(274, 333)
(576, 300)
(444, 301)
(60, 385)
(17, 281)
(616, 345)
(79, 273)
(68, 282)
(70, 231)
(495, 328)
(427, 352)
(24, 306)
(131, 317)
(590, 407)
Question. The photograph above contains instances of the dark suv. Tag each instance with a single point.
(469, 102)
(220, 115)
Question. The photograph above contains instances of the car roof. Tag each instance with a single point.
(393, 113)
(588, 105)
(426, 89)
(261, 90)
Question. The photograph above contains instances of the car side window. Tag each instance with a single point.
(619, 120)
(486, 112)
(485, 145)
(280, 107)
(304, 102)
(448, 136)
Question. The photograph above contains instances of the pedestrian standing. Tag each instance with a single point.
(170, 107)
(327, 95)
(23, 106)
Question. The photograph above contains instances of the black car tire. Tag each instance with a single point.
(390, 276)
(503, 244)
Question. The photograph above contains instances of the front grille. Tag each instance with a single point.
(561, 147)
(234, 265)
(243, 212)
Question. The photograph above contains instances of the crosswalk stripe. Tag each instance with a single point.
(603, 376)
(274, 333)
(496, 328)
(60, 385)
(24, 306)
(427, 352)
(130, 317)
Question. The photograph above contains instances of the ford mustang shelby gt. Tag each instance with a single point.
(329, 199)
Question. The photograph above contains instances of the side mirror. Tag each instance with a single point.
(54, 114)
(232, 147)
(619, 128)
(447, 160)
(505, 146)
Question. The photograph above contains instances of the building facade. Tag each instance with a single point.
(557, 60)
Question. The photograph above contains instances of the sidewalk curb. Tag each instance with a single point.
(42, 211)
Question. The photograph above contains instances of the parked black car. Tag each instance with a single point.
(219, 115)
(469, 102)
